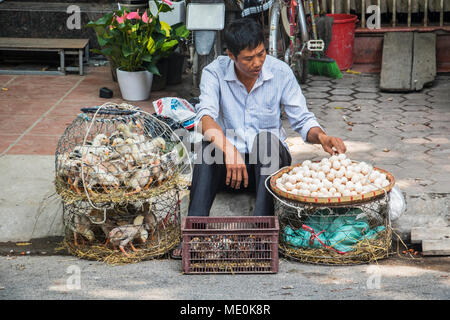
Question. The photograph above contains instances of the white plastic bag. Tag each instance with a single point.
(177, 109)
(397, 204)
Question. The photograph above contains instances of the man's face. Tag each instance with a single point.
(249, 62)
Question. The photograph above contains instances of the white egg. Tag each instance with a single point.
(320, 195)
(331, 176)
(319, 185)
(313, 174)
(358, 187)
(336, 182)
(314, 194)
(315, 181)
(383, 176)
(350, 185)
(337, 194)
(373, 176)
(385, 183)
(357, 168)
(299, 176)
(356, 178)
(326, 168)
(315, 166)
(333, 158)
(346, 193)
(278, 181)
(378, 181)
(340, 173)
(307, 173)
(341, 188)
(349, 174)
(327, 184)
(306, 193)
(323, 190)
(312, 187)
(342, 156)
(306, 163)
(289, 186)
(365, 189)
(336, 165)
(344, 180)
(321, 175)
(324, 161)
(353, 193)
(346, 163)
(332, 190)
(308, 180)
(292, 179)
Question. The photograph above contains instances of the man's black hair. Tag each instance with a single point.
(243, 33)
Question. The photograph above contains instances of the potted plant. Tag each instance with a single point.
(135, 43)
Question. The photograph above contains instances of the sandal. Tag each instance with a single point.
(176, 253)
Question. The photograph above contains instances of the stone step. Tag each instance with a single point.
(409, 61)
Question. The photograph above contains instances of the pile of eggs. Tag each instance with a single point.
(336, 176)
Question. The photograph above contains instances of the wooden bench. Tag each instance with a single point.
(64, 47)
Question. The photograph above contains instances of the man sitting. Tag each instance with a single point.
(239, 116)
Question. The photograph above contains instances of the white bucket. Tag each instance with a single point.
(135, 86)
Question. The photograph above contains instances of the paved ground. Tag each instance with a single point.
(407, 134)
(56, 277)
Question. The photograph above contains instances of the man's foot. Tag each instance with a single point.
(177, 253)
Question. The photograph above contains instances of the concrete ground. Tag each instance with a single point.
(407, 134)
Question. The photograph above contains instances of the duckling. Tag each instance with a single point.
(124, 235)
(150, 220)
(154, 146)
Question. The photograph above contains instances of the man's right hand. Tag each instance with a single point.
(236, 169)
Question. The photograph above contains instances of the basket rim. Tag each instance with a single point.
(366, 197)
(231, 219)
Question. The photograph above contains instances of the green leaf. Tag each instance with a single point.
(151, 67)
(102, 41)
(182, 31)
(166, 8)
(126, 51)
(147, 57)
(168, 45)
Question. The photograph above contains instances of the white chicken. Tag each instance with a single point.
(124, 235)
(70, 168)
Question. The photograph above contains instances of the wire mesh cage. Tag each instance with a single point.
(123, 233)
(335, 234)
(119, 171)
(118, 153)
(230, 245)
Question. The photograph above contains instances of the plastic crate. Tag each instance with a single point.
(230, 245)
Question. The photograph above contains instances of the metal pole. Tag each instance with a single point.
(348, 6)
(80, 59)
(62, 62)
(394, 12)
(332, 6)
(425, 14)
(363, 14)
(409, 13)
(274, 25)
(441, 15)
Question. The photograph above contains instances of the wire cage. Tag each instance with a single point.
(119, 171)
(335, 234)
(119, 153)
(123, 233)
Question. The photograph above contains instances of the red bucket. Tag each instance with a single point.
(341, 45)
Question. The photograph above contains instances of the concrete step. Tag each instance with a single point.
(409, 61)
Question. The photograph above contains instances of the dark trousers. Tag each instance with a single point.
(268, 155)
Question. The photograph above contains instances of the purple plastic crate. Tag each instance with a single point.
(230, 245)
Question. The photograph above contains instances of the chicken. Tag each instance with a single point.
(127, 131)
(154, 146)
(70, 168)
(98, 174)
(139, 181)
(97, 217)
(80, 224)
(124, 235)
(150, 220)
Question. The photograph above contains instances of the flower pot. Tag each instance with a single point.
(175, 69)
(159, 82)
(135, 86)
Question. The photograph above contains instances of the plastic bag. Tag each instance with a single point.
(177, 109)
(397, 204)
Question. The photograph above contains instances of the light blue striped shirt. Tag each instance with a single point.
(243, 115)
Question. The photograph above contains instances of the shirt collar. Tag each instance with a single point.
(230, 74)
